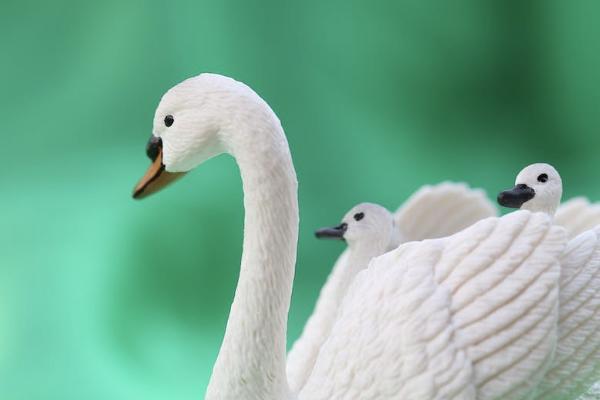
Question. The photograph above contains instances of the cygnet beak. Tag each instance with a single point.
(155, 177)
(516, 197)
(337, 232)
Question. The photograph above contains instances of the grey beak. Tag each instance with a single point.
(516, 197)
(337, 232)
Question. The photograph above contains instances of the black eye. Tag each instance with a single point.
(169, 120)
(359, 216)
(542, 178)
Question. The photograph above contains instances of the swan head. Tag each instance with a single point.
(192, 123)
(366, 223)
(538, 187)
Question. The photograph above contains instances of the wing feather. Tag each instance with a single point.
(441, 210)
(469, 316)
(577, 363)
(578, 215)
(301, 357)
(433, 211)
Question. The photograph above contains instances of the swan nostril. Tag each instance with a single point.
(153, 147)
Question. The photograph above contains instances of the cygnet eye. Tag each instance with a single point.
(359, 216)
(542, 178)
(169, 120)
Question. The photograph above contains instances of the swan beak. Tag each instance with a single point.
(337, 232)
(516, 197)
(156, 177)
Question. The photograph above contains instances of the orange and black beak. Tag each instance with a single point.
(155, 177)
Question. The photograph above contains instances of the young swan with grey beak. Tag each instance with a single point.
(575, 365)
(369, 231)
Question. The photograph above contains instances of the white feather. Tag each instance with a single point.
(577, 363)
(578, 215)
(468, 316)
(441, 210)
(471, 316)
(431, 212)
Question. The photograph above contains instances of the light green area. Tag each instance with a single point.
(103, 298)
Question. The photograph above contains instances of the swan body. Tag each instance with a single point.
(468, 316)
(431, 212)
(577, 363)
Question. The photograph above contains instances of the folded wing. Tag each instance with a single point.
(469, 316)
(578, 215)
(441, 210)
(431, 212)
(577, 363)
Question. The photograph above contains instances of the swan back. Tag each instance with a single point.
(469, 316)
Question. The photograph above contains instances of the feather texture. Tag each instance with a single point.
(578, 215)
(470, 316)
(431, 212)
(577, 363)
(441, 210)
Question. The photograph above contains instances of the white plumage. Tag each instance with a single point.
(431, 212)
(577, 362)
(440, 210)
(578, 215)
(369, 236)
(465, 317)
(470, 316)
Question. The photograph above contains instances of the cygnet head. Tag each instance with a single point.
(538, 187)
(366, 223)
(195, 121)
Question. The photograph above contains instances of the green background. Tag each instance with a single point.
(103, 297)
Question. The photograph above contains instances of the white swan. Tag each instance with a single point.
(577, 364)
(576, 215)
(369, 231)
(431, 212)
(467, 316)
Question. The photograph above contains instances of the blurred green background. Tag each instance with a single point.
(104, 297)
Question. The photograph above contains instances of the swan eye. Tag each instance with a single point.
(169, 120)
(359, 216)
(542, 178)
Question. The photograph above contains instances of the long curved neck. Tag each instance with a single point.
(251, 362)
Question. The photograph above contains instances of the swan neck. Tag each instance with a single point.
(251, 362)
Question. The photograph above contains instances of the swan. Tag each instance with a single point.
(577, 363)
(433, 211)
(370, 231)
(461, 317)
(576, 215)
